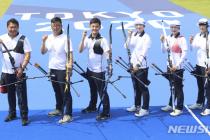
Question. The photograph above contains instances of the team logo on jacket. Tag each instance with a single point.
(176, 48)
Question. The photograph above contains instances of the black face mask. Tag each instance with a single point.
(204, 34)
(97, 49)
(140, 35)
(98, 36)
(177, 35)
(61, 32)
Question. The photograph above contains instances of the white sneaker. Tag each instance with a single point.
(205, 112)
(141, 113)
(55, 112)
(65, 119)
(167, 108)
(176, 112)
(196, 106)
(131, 109)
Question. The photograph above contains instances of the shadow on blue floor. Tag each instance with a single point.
(122, 125)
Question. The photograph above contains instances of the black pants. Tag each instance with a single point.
(208, 94)
(140, 89)
(21, 91)
(200, 83)
(97, 86)
(134, 87)
(178, 87)
(63, 99)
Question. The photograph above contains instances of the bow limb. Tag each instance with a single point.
(67, 62)
(110, 69)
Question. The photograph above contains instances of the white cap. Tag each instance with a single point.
(203, 21)
(139, 21)
(175, 23)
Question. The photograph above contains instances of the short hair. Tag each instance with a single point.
(56, 19)
(14, 21)
(95, 20)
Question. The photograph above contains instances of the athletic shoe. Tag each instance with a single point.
(89, 110)
(131, 109)
(102, 117)
(196, 106)
(205, 112)
(176, 112)
(142, 112)
(65, 119)
(10, 117)
(55, 112)
(167, 108)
